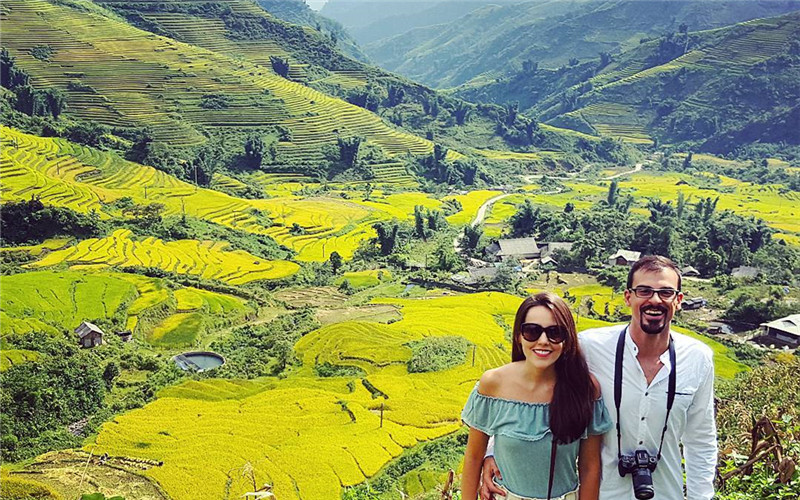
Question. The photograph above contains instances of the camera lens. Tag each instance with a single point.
(643, 484)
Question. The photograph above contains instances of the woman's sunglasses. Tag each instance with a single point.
(532, 331)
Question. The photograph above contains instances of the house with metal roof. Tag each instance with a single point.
(624, 258)
(782, 332)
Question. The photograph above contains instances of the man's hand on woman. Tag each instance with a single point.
(490, 471)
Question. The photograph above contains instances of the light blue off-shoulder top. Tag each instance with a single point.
(523, 440)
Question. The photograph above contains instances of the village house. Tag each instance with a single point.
(690, 272)
(125, 335)
(745, 272)
(89, 334)
(783, 332)
(624, 258)
(517, 248)
(693, 303)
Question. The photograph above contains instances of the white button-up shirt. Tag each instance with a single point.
(643, 410)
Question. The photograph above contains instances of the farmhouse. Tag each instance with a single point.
(783, 332)
(745, 272)
(624, 258)
(693, 303)
(89, 334)
(517, 248)
(690, 272)
(125, 335)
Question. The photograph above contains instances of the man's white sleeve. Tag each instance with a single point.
(489, 448)
(700, 440)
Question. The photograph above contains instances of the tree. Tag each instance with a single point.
(472, 236)
(254, 150)
(445, 258)
(419, 222)
(336, 261)
(348, 150)
(687, 162)
(280, 65)
(523, 221)
(512, 110)
(55, 102)
(387, 233)
(396, 95)
(28, 100)
(462, 111)
(111, 372)
(611, 199)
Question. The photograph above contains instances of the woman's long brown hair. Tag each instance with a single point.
(573, 396)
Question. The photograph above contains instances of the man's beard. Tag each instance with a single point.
(651, 326)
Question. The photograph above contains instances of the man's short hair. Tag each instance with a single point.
(653, 263)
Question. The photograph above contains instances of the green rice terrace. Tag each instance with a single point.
(235, 260)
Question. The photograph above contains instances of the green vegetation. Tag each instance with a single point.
(434, 354)
(770, 391)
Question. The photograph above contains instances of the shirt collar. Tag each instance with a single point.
(631, 346)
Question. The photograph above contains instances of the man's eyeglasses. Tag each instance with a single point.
(645, 292)
(532, 331)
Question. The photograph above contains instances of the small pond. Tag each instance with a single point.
(198, 361)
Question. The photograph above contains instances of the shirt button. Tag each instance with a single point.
(641, 442)
(646, 393)
(642, 419)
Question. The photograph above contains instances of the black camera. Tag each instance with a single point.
(640, 466)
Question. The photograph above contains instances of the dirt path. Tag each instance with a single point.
(479, 216)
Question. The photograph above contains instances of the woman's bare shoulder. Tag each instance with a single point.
(492, 381)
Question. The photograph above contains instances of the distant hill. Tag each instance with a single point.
(299, 12)
(717, 90)
(373, 20)
(497, 39)
(190, 70)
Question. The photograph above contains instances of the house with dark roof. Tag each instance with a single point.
(89, 334)
(745, 272)
(517, 248)
(624, 258)
(690, 272)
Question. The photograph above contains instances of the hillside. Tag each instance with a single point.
(495, 40)
(219, 80)
(298, 12)
(715, 90)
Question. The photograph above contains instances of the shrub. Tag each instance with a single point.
(434, 354)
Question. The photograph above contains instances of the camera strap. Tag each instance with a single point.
(553, 448)
(671, 387)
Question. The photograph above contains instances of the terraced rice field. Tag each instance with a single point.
(207, 259)
(365, 279)
(739, 49)
(275, 424)
(780, 210)
(84, 179)
(470, 204)
(59, 301)
(129, 77)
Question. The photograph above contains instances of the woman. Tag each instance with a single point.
(543, 408)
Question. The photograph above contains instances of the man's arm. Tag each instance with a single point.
(700, 441)
(489, 472)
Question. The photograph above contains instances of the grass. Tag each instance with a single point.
(178, 330)
(60, 301)
(365, 279)
(470, 202)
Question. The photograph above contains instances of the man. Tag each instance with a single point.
(653, 295)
